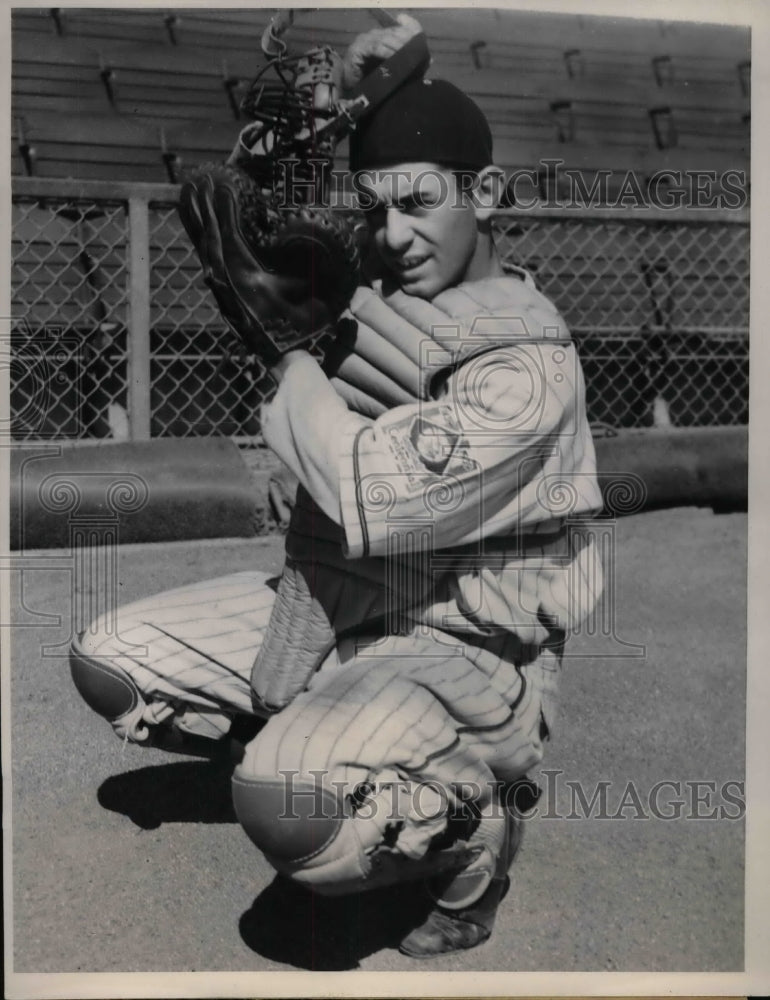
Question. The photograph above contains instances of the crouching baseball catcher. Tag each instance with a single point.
(407, 660)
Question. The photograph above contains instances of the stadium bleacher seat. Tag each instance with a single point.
(543, 79)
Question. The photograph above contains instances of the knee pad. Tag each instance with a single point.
(313, 836)
(305, 830)
(111, 692)
(104, 687)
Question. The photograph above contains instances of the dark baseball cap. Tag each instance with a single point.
(425, 121)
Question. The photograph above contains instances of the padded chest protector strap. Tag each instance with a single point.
(392, 349)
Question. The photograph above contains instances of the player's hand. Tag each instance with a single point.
(281, 493)
(370, 48)
(279, 370)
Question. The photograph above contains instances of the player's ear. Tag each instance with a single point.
(488, 192)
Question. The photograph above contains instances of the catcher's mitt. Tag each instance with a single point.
(281, 264)
(279, 275)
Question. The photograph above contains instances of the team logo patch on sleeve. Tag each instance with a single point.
(426, 447)
(433, 443)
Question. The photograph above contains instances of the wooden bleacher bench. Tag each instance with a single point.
(115, 148)
(32, 99)
(690, 133)
(121, 147)
(541, 72)
(493, 83)
(77, 141)
(527, 28)
(145, 80)
(449, 30)
(178, 88)
(618, 158)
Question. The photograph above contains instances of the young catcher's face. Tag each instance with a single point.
(424, 228)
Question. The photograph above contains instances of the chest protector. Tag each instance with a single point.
(394, 348)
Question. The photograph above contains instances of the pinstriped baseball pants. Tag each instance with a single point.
(424, 708)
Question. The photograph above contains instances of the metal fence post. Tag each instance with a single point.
(139, 319)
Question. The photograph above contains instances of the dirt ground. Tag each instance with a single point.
(131, 860)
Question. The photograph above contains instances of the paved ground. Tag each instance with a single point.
(131, 860)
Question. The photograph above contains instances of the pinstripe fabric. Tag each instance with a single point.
(421, 710)
(192, 648)
(508, 442)
(428, 706)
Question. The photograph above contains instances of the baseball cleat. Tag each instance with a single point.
(445, 931)
(449, 927)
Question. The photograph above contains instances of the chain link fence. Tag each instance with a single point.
(659, 309)
(201, 381)
(69, 305)
(114, 334)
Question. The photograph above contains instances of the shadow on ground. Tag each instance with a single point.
(289, 924)
(184, 792)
